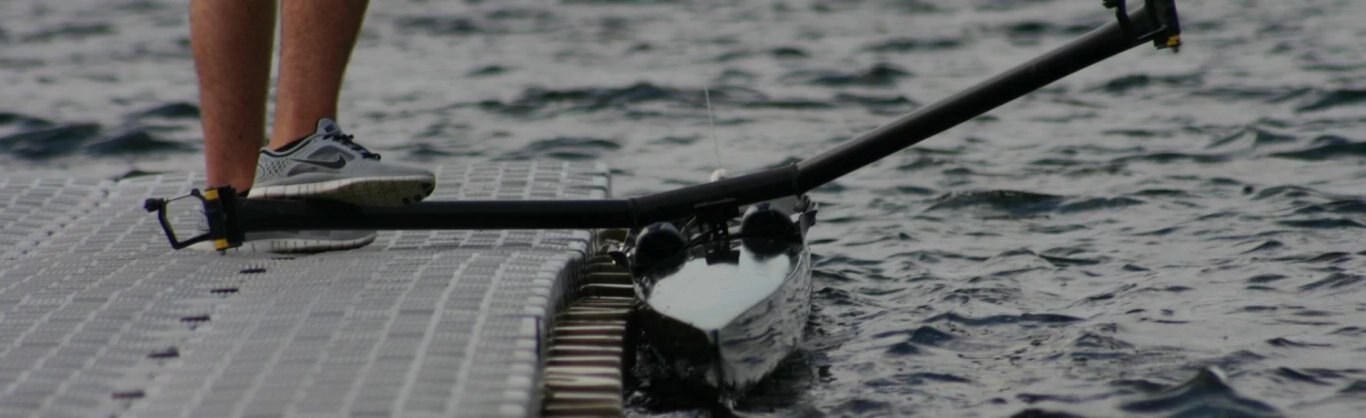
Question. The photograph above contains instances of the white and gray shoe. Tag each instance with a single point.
(328, 165)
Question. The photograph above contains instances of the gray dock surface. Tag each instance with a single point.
(99, 317)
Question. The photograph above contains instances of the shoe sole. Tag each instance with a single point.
(293, 245)
(364, 191)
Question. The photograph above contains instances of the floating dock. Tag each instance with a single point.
(99, 317)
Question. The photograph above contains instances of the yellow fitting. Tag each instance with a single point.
(1174, 41)
(211, 194)
(220, 244)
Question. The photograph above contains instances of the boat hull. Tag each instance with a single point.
(727, 322)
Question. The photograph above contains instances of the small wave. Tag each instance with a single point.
(1351, 331)
(1265, 94)
(779, 53)
(879, 75)
(916, 379)
(1109, 295)
(1098, 203)
(620, 1)
(1289, 343)
(1015, 202)
(588, 99)
(425, 151)
(1067, 261)
(1175, 157)
(1129, 83)
(1018, 203)
(987, 295)
(924, 163)
(1332, 147)
(563, 148)
(1324, 100)
(135, 173)
(49, 142)
(1288, 192)
(904, 349)
(439, 25)
(1256, 136)
(499, 21)
(1135, 133)
(788, 52)
(1335, 281)
(1266, 246)
(1340, 207)
(1266, 278)
(896, 45)
(1096, 341)
(23, 122)
(1322, 223)
(879, 105)
(1299, 376)
(792, 104)
(1043, 413)
(1005, 319)
(69, 31)
(135, 141)
(928, 335)
(489, 71)
(173, 110)
(1035, 28)
(1330, 257)
(913, 190)
(1162, 193)
(1206, 394)
(676, 140)
(1356, 387)
(861, 407)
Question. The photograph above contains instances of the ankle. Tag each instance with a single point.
(287, 145)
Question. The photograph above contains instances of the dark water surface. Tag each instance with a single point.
(1160, 235)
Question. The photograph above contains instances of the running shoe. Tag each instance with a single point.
(329, 165)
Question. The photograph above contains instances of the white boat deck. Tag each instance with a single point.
(99, 317)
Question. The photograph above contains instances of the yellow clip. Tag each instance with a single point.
(1174, 41)
(211, 194)
(220, 244)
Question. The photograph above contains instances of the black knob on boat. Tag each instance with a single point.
(764, 220)
(657, 242)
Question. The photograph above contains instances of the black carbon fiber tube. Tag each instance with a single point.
(1094, 47)
(276, 215)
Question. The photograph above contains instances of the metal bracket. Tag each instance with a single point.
(1166, 32)
(219, 209)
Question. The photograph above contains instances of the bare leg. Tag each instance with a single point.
(317, 37)
(232, 43)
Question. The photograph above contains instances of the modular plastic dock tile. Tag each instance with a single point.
(98, 317)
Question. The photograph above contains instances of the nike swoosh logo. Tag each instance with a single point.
(335, 165)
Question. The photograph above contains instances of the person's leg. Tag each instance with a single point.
(317, 38)
(309, 156)
(232, 43)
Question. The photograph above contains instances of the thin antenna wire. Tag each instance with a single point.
(711, 118)
(706, 87)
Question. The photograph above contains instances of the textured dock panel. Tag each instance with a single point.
(99, 317)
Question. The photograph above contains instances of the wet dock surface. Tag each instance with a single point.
(99, 317)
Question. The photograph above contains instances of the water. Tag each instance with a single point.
(1159, 235)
